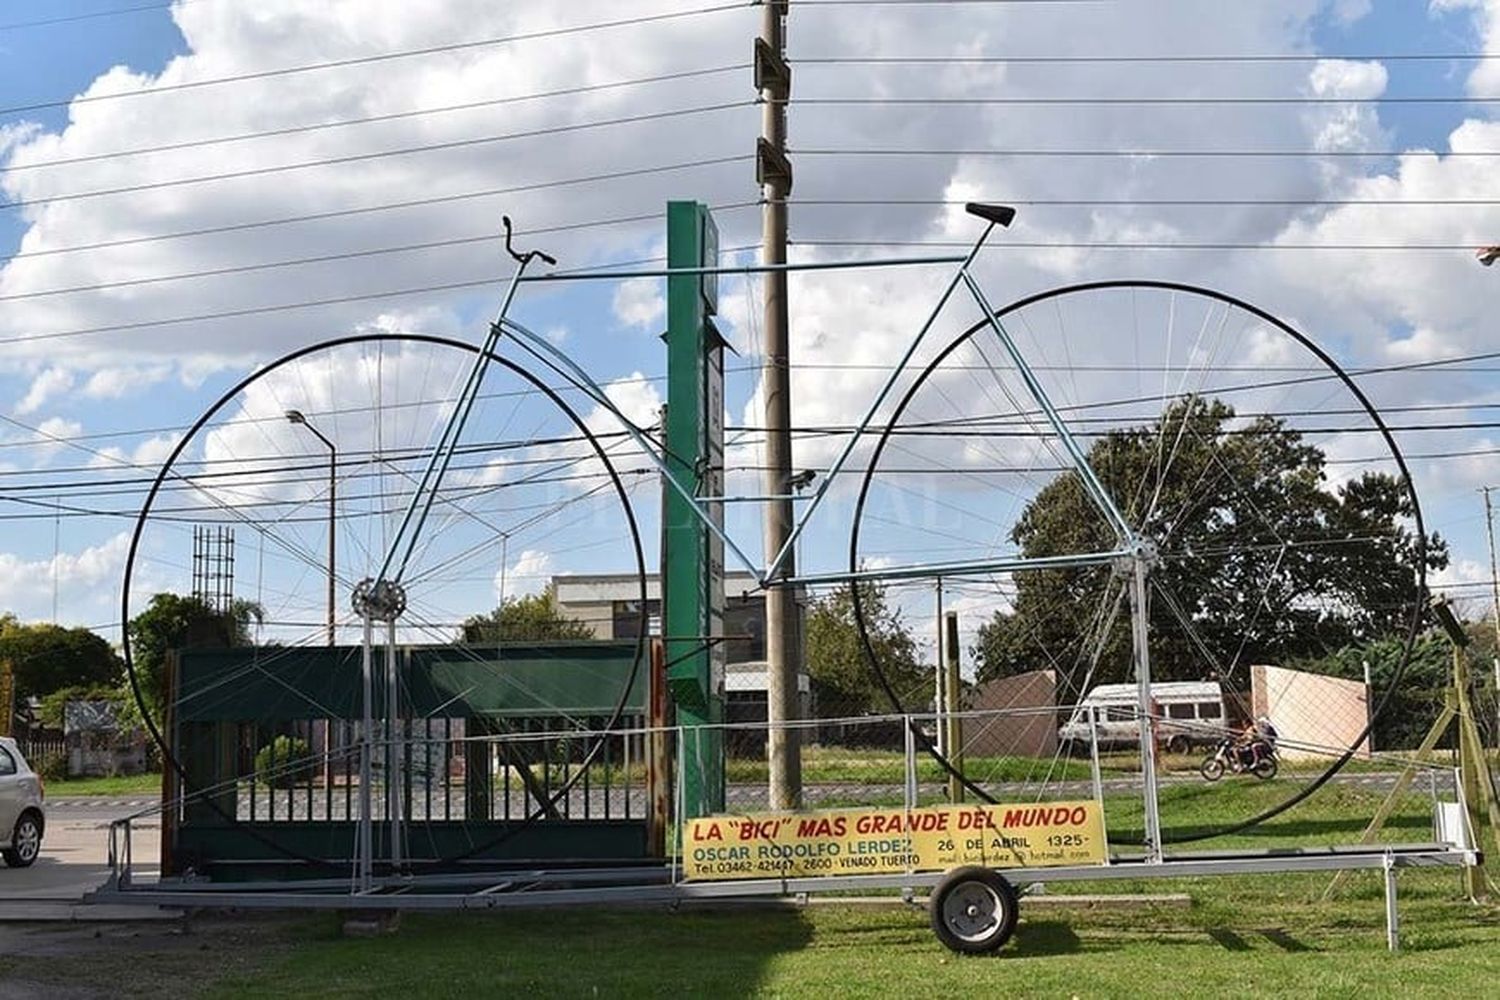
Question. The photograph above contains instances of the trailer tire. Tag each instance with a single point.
(974, 910)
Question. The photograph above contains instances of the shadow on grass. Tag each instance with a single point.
(1037, 939)
(543, 952)
(1286, 942)
(1228, 940)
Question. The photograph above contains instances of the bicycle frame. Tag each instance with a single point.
(769, 573)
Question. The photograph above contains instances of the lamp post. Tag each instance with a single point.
(297, 417)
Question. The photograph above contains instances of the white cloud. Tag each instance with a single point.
(530, 574)
(125, 380)
(51, 382)
(27, 583)
(639, 302)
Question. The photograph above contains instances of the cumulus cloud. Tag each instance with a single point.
(125, 380)
(50, 383)
(27, 583)
(529, 574)
(639, 302)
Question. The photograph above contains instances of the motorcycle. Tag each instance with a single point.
(1226, 757)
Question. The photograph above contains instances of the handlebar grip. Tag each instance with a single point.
(999, 214)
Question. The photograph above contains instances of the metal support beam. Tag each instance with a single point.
(1139, 612)
(365, 842)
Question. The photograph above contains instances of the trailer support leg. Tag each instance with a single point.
(1392, 919)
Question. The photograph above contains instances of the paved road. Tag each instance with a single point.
(75, 852)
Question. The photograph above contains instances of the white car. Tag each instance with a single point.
(22, 815)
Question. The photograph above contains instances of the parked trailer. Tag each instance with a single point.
(973, 909)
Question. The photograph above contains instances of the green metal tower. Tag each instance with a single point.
(693, 556)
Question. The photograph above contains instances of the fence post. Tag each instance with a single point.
(1094, 753)
(911, 762)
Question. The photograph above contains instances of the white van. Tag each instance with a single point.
(1191, 713)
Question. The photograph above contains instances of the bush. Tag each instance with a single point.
(52, 767)
(284, 762)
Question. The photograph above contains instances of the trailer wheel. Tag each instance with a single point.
(973, 910)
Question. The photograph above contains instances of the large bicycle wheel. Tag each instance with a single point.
(310, 466)
(1283, 529)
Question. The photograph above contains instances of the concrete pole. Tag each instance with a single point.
(940, 679)
(783, 632)
(1489, 527)
(954, 725)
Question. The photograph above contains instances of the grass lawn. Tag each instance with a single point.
(1246, 936)
(1275, 943)
(148, 785)
(1269, 935)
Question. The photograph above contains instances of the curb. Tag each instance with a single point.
(49, 911)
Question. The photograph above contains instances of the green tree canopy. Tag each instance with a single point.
(172, 621)
(47, 658)
(1261, 560)
(842, 681)
(528, 618)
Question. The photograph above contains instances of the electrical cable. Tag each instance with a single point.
(489, 237)
(380, 57)
(362, 157)
(390, 116)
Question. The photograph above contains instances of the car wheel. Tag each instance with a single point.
(26, 842)
(1179, 744)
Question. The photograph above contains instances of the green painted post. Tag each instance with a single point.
(692, 558)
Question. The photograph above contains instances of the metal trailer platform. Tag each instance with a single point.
(632, 886)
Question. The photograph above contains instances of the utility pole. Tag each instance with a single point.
(940, 678)
(773, 80)
(1489, 527)
(952, 688)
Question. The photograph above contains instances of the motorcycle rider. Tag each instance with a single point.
(1255, 742)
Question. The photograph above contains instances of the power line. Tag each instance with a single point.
(1223, 57)
(1159, 154)
(289, 220)
(369, 296)
(489, 237)
(1139, 101)
(72, 18)
(381, 57)
(391, 116)
(1153, 202)
(157, 431)
(1141, 245)
(382, 154)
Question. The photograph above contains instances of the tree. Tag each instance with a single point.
(47, 658)
(171, 622)
(1255, 565)
(529, 618)
(837, 665)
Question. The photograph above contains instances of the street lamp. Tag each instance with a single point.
(297, 417)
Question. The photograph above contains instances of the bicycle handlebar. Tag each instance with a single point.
(523, 258)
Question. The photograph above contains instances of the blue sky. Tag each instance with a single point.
(1370, 309)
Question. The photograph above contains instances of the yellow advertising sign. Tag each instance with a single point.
(886, 841)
